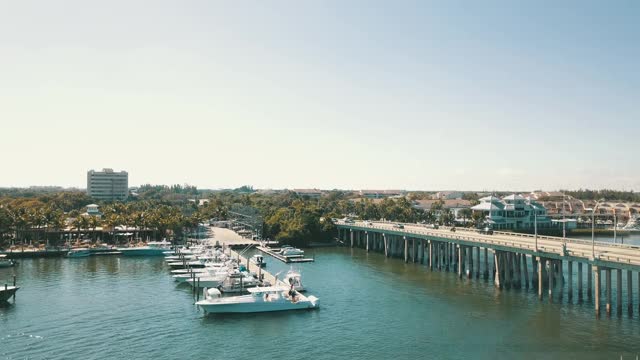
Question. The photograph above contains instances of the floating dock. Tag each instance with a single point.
(286, 259)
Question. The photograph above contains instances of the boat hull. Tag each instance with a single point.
(8, 293)
(6, 264)
(255, 307)
(142, 252)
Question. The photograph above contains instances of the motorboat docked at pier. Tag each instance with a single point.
(290, 251)
(6, 292)
(79, 253)
(153, 248)
(6, 262)
(260, 299)
(294, 279)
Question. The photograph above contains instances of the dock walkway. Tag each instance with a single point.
(271, 252)
(266, 275)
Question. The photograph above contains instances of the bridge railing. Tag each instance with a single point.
(540, 237)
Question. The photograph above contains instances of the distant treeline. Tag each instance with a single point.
(607, 194)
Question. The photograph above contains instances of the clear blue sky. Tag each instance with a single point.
(328, 94)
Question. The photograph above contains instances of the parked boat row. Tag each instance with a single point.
(218, 275)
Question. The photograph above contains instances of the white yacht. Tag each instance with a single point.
(633, 224)
(238, 282)
(260, 299)
(292, 252)
(153, 248)
(79, 252)
(6, 262)
(294, 279)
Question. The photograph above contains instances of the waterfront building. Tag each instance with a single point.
(447, 195)
(513, 212)
(92, 210)
(312, 193)
(107, 184)
(453, 205)
(380, 194)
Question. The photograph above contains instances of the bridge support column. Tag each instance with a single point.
(485, 274)
(629, 293)
(430, 255)
(619, 292)
(406, 249)
(414, 250)
(498, 268)
(445, 256)
(596, 275)
(509, 278)
(526, 270)
(551, 273)
(534, 271)
(351, 233)
(469, 261)
(367, 235)
(608, 280)
(570, 276)
(459, 253)
(590, 272)
(540, 277)
(478, 262)
(518, 263)
(560, 278)
(384, 243)
(579, 282)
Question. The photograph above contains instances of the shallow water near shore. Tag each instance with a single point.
(371, 307)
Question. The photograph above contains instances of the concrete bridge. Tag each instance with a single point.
(505, 258)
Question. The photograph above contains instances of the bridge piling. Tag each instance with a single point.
(619, 292)
(550, 273)
(486, 264)
(367, 236)
(579, 282)
(596, 275)
(570, 284)
(630, 293)
(525, 269)
(430, 255)
(608, 280)
(534, 271)
(540, 278)
(496, 260)
(459, 250)
(590, 273)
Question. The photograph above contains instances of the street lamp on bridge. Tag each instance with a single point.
(593, 228)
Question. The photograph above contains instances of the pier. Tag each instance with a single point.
(511, 260)
(263, 274)
(285, 259)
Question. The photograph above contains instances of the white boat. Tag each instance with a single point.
(633, 224)
(238, 282)
(79, 252)
(294, 279)
(7, 292)
(292, 252)
(6, 262)
(153, 248)
(260, 299)
(258, 260)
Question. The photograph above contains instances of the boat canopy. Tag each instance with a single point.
(2, 256)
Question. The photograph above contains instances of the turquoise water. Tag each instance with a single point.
(371, 307)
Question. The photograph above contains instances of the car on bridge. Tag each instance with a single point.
(398, 226)
(485, 230)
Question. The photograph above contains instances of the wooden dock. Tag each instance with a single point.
(266, 275)
(285, 259)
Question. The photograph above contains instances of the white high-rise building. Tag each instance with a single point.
(107, 184)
